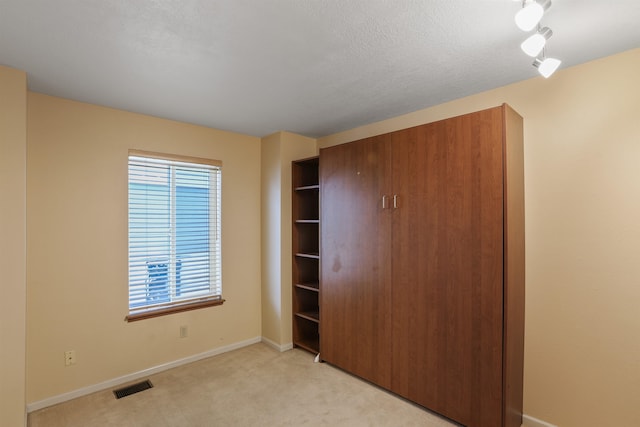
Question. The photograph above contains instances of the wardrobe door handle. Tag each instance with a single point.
(384, 202)
(395, 201)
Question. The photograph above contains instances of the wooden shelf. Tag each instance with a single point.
(306, 250)
(313, 316)
(311, 255)
(308, 187)
(310, 344)
(313, 287)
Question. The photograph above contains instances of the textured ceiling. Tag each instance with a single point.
(313, 67)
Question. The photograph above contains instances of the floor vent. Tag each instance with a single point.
(132, 389)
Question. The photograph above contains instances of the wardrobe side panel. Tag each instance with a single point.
(514, 288)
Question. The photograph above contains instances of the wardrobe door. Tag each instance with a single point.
(447, 267)
(355, 269)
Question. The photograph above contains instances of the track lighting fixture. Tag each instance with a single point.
(546, 66)
(531, 13)
(535, 43)
(529, 18)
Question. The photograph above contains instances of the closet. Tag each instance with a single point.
(422, 271)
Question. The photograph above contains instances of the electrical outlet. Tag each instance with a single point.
(69, 358)
(184, 331)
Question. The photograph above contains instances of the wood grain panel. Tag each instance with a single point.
(355, 270)
(447, 267)
(425, 296)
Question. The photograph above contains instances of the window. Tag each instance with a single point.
(174, 234)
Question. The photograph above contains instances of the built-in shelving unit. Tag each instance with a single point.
(306, 250)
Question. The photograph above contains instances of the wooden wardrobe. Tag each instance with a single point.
(422, 271)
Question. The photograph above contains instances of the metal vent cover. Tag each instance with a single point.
(132, 389)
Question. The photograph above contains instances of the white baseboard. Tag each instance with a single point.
(276, 346)
(34, 406)
(528, 421)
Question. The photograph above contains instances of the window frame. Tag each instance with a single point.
(178, 306)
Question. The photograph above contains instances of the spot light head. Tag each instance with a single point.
(533, 45)
(530, 15)
(546, 66)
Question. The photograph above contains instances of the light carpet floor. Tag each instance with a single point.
(252, 386)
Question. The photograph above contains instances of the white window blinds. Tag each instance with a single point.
(174, 231)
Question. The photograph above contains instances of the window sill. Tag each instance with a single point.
(176, 308)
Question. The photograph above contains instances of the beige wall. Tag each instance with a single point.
(77, 245)
(13, 193)
(278, 150)
(271, 197)
(582, 195)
